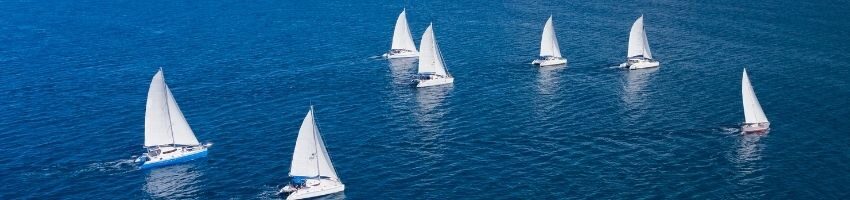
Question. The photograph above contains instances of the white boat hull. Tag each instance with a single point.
(408, 54)
(325, 187)
(434, 81)
(640, 63)
(549, 62)
(755, 128)
(644, 65)
(179, 155)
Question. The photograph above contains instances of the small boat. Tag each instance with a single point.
(639, 55)
(432, 69)
(754, 119)
(550, 53)
(311, 174)
(402, 46)
(168, 137)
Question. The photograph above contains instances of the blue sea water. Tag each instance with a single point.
(76, 74)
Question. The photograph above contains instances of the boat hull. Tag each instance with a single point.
(401, 55)
(550, 62)
(325, 188)
(643, 64)
(184, 157)
(434, 82)
(755, 128)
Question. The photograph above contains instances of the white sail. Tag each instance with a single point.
(310, 157)
(157, 122)
(402, 39)
(549, 42)
(430, 58)
(164, 122)
(638, 44)
(752, 109)
(183, 134)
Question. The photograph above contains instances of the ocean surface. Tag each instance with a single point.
(76, 73)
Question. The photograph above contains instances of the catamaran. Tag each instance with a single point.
(550, 53)
(311, 174)
(639, 56)
(754, 119)
(168, 137)
(432, 69)
(402, 46)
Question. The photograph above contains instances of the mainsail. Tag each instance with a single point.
(402, 39)
(310, 157)
(164, 122)
(638, 44)
(430, 59)
(752, 109)
(549, 42)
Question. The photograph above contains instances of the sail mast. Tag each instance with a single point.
(556, 50)
(409, 35)
(167, 109)
(316, 141)
(427, 57)
(646, 52)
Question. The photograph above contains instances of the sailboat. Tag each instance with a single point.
(550, 53)
(432, 69)
(639, 56)
(311, 174)
(402, 46)
(754, 119)
(168, 137)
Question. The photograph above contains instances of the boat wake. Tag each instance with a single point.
(111, 167)
(729, 130)
(616, 66)
(114, 166)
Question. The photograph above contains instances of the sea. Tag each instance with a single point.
(75, 76)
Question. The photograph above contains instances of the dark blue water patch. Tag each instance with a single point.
(244, 73)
